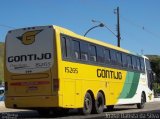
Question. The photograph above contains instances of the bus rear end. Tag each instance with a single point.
(29, 63)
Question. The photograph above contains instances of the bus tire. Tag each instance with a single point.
(88, 104)
(99, 104)
(142, 103)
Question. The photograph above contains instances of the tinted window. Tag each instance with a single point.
(148, 66)
(124, 60)
(134, 63)
(113, 57)
(100, 54)
(142, 64)
(65, 46)
(129, 61)
(93, 56)
(107, 55)
(138, 63)
(84, 51)
(119, 58)
(76, 49)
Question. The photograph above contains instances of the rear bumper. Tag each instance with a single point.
(32, 102)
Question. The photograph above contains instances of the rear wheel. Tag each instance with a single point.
(99, 104)
(87, 107)
(143, 100)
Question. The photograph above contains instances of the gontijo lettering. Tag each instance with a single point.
(29, 57)
(102, 73)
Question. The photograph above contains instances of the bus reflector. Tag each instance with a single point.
(29, 83)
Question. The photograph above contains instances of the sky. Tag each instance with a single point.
(139, 19)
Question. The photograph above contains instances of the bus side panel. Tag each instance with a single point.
(134, 86)
(75, 85)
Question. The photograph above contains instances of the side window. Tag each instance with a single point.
(100, 54)
(148, 66)
(119, 58)
(93, 55)
(65, 46)
(76, 49)
(134, 63)
(142, 64)
(113, 57)
(124, 60)
(84, 51)
(129, 61)
(107, 56)
(138, 63)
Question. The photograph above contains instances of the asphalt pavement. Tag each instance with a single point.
(151, 110)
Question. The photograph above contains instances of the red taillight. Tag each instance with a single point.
(6, 86)
(56, 84)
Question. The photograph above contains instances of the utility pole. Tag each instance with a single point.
(118, 27)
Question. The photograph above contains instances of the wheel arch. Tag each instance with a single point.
(92, 94)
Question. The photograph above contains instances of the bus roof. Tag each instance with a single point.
(71, 33)
(68, 32)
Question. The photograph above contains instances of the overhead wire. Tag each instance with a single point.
(142, 27)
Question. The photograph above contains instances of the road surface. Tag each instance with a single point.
(151, 110)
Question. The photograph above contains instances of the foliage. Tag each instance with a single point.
(155, 64)
(156, 88)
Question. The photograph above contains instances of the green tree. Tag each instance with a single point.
(155, 65)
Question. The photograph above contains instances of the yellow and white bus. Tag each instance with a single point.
(49, 68)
